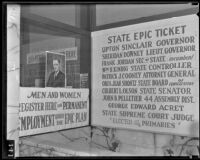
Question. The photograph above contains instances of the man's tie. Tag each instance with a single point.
(55, 76)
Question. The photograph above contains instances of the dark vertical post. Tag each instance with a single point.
(92, 17)
(85, 48)
(24, 44)
(92, 25)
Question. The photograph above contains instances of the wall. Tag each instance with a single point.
(101, 141)
(139, 143)
(13, 52)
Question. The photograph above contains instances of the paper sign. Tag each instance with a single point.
(146, 76)
(71, 53)
(51, 109)
(35, 58)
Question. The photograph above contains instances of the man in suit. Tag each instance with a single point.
(56, 78)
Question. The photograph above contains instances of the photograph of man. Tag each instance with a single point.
(57, 77)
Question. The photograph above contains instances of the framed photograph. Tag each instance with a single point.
(55, 70)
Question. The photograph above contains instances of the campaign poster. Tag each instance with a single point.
(55, 70)
(146, 76)
(43, 110)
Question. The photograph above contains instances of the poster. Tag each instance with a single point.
(72, 66)
(34, 70)
(84, 80)
(146, 76)
(44, 110)
(55, 70)
(70, 53)
(35, 58)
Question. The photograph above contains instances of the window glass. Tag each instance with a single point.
(106, 14)
(40, 45)
(64, 13)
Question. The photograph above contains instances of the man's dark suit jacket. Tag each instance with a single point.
(59, 80)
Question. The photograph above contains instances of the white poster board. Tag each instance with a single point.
(50, 109)
(146, 76)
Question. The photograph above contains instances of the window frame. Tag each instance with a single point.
(178, 13)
